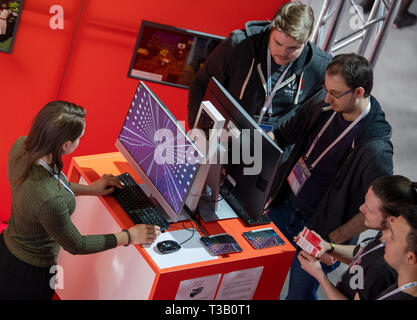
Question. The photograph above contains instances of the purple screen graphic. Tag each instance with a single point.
(139, 136)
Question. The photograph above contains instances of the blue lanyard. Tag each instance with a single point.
(406, 286)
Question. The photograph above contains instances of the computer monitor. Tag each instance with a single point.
(159, 149)
(170, 55)
(244, 141)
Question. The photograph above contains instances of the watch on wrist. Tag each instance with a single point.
(129, 239)
(332, 246)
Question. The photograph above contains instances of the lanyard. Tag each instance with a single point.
(43, 164)
(271, 94)
(345, 132)
(373, 249)
(361, 255)
(406, 286)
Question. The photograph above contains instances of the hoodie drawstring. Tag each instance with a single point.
(242, 91)
(298, 89)
(245, 83)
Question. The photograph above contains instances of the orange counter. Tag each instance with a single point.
(132, 272)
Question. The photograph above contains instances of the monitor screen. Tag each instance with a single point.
(253, 161)
(159, 149)
(170, 55)
(10, 13)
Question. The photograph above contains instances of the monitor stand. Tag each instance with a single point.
(222, 211)
(212, 206)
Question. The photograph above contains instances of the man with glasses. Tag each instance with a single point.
(341, 144)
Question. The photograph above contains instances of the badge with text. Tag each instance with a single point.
(298, 176)
(265, 123)
(266, 127)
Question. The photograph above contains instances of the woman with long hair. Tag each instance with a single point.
(43, 201)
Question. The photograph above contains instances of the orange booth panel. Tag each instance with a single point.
(140, 272)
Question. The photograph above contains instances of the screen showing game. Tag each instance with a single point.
(10, 13)
(170, 55)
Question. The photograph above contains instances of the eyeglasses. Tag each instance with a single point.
(335, 95)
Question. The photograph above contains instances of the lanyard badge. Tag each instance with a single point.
(298, 176)
(266, 127)
(266, 123)
(300, 173)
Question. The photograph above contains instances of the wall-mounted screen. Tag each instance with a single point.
(170, 55)
(10, 12)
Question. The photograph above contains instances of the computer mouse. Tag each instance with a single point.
(168, 246)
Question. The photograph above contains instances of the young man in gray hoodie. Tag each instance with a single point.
(270, 68)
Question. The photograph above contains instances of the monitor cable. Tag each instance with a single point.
(185, 228)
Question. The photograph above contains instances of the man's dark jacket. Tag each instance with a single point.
(238, 62)
(369, 157)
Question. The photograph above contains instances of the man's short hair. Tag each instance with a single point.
(295, 20)
(394, 192)
(355, 70)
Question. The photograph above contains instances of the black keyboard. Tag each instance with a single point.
(240, 211)
(136, 204)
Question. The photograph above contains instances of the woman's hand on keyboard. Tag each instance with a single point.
(105, 185)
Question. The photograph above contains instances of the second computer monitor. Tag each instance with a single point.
(246, 141)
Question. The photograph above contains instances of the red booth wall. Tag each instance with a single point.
(87, 63)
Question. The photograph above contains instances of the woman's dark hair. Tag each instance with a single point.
(394, 192)
(355, 70)
(410, 215)
(56, 123)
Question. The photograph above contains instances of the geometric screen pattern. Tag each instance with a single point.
(162, 151)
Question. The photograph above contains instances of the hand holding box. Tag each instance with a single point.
(309, 242)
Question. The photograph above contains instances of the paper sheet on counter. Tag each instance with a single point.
(239, 285)
(203, 288)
